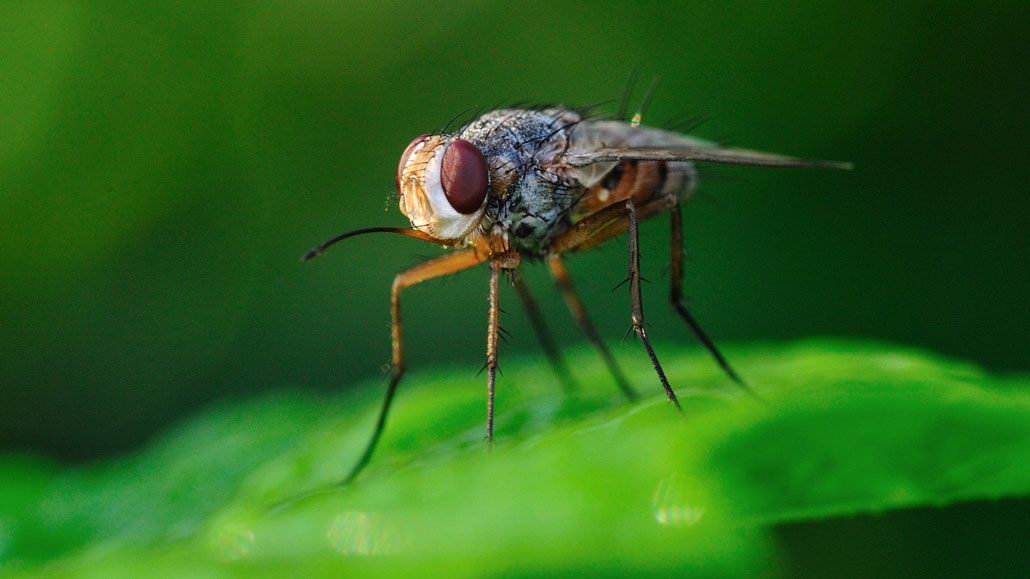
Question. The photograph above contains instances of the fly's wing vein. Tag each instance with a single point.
(704, 155)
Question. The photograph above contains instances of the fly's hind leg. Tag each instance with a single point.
(676, 298)
(448, 264)
(603, 225)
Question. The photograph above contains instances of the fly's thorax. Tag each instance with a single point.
(442, 183)
(530, 192)
(528, 133)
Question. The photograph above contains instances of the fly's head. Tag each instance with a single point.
(443, 184)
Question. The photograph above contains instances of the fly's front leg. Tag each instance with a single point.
(603, 225)
(505, 260)
(450, 263)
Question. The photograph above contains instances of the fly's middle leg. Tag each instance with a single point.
(604, 224)
(637, 317)
(543, 335)
(575, 305)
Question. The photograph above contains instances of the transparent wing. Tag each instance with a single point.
(702, 155)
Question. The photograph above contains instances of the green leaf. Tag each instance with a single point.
(575, 485)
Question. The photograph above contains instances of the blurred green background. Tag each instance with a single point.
(163, 166)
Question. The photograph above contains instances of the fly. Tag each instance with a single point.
(535, 184)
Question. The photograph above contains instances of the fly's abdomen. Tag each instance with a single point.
(639, 181)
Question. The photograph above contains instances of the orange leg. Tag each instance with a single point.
(505, 260)
(447, 264)
(561, 277)
(603, 225)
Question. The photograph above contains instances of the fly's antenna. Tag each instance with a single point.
(635, 121)
(320, 249)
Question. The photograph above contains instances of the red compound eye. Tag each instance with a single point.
(404, 158)
(463, 176)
